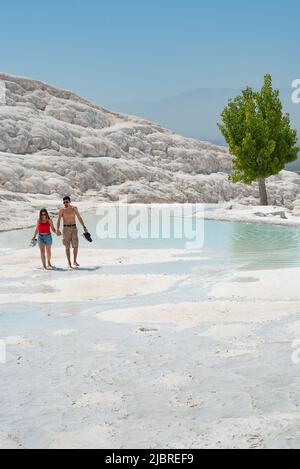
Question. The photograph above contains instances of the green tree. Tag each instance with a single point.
(259, 136)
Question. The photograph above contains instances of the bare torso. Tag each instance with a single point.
(69, 216)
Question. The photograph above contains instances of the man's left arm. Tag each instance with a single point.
(80, 218)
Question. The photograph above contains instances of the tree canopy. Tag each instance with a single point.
(259, 135)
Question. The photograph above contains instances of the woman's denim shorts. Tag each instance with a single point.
(45, 240)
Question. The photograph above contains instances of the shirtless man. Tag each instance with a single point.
(70, 232)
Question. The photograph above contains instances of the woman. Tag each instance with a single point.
(43, 229)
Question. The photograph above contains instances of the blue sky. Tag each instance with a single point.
(122, 50)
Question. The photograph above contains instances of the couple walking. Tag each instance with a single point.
(45, 225)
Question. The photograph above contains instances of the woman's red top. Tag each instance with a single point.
(44, 228)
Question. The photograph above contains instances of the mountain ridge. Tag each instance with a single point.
(195, 113)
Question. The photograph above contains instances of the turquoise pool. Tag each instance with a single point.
(245, 246)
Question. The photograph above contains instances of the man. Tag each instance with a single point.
(69, 214)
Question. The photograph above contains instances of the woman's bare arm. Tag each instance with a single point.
(36, 230)
(52, 226)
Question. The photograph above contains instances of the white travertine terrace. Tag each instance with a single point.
(53, 143)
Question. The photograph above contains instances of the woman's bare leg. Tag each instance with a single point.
(43, 255)
(49, 254)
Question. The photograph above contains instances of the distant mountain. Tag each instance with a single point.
(196, 113)
(295, 167)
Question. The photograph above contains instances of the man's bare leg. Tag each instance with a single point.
(75, 257)
(43, 256)
(68, 253)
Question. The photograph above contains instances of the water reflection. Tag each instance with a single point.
(265, 246)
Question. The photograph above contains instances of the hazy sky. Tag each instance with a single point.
(119, 50)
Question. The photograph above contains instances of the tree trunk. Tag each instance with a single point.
(263, 192)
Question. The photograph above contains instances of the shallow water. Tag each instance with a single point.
(239, 245)
(253, 247)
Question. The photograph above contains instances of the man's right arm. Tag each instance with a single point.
(58, 223)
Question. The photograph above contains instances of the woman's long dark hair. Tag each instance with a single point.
(43, 212)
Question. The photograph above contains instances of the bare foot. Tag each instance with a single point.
(69, 267)
(76, 264)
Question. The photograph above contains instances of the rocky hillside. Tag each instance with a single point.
(54, 143)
